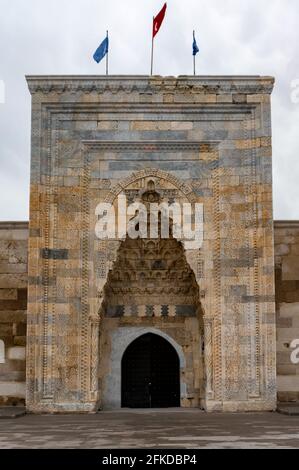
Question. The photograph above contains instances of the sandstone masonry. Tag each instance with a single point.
(13, 310)
(192, 139)
(14, 239)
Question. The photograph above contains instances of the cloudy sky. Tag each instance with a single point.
(259, 37)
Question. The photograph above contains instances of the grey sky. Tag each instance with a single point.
(257, 37)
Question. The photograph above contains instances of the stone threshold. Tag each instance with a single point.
(288, 409)
(12, 412)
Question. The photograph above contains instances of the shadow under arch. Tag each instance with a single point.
(150, 374)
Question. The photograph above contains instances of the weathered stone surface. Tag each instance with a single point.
(12, 412)
(13, 307)
(204, 140)
(13, 389)
(287, 308)
(16, 353)
(207, 140)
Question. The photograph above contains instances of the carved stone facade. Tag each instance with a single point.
(13, 293)
(201, 140)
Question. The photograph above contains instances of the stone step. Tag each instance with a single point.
(289, 409)
(12, 412)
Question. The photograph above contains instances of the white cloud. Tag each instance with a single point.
(60, 36)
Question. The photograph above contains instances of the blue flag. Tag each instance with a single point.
(102, 50)
(195, 46)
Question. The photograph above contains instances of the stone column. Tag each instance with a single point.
(94, 357)
(208, 357)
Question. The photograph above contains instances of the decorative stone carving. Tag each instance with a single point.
(193, 85)
(210, 143)
(151, 272)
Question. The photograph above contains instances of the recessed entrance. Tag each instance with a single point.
(151, 288)
(150, 374)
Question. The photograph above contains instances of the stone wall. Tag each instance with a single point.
(287, 310)
(207, 140)
(13, 306)
(204, 140)
(13, 291)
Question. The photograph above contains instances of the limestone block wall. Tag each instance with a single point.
(287, 307)
(13, 306)
(202, 139)
(206, 138)
(13, 291)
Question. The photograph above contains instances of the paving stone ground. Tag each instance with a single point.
(151, 429)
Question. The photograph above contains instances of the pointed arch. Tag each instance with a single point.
(121, 339)
(150, 374)
(184, 188)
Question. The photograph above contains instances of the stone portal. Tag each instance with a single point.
(203, 140)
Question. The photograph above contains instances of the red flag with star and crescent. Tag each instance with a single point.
(158, 20)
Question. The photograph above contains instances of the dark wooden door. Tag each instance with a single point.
(150, 374)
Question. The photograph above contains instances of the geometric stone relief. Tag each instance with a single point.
(150, 311)
(213, 152)
(148, 273)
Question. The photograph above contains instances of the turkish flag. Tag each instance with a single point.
(159, 20)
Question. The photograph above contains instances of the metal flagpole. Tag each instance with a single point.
(152, 58)
(194, 59)
(107, 57)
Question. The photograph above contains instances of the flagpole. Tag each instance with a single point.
(107, 57)
(194, 60)
(152, 57)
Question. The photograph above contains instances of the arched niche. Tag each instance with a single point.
(120, 340)
(134, 187)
